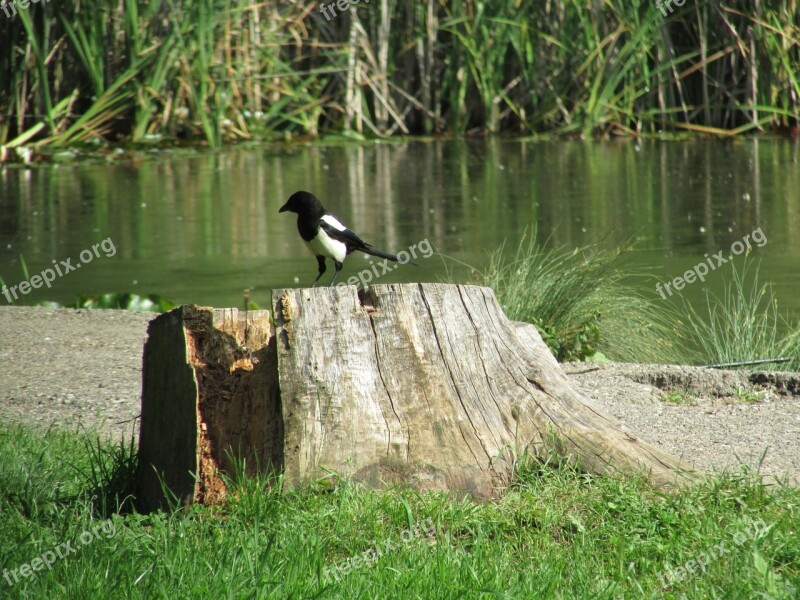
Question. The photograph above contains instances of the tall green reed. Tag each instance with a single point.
(226, 70)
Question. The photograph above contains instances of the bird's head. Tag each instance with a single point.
(303, 203)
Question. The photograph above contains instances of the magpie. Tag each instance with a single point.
(325, 235)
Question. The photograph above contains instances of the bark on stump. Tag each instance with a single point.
(428, 384)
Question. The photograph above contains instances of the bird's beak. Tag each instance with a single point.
(284, 208)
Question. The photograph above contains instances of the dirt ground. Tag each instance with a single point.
(82, 369)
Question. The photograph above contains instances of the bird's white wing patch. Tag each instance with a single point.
(324, 245)
(333, 222)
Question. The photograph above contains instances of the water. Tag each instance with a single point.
(203, 227)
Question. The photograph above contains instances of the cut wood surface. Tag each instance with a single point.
(427, 384)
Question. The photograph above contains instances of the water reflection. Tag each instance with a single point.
(202, 227)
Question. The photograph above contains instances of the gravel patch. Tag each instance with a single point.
(82, 369)
(713, 419)
(72, 368)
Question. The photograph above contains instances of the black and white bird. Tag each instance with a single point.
(325, 235)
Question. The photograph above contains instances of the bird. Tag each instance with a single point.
(326, 236)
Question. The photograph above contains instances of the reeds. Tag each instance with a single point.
(219, 70)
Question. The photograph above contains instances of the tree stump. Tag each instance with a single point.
(427, 384)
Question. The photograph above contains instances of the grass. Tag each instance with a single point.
(223, 70)
(121, 301)
(587, 306)
(678, 397)
(583, 303)
(746, 396)
(744, 323)
(740, 395)
(556, 533)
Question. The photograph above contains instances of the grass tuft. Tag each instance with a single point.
(744, 323)
(583, 303)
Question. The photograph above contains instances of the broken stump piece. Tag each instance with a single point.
(209, 395)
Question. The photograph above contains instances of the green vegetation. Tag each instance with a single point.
(124, 301)
(747, 396)
(678, 397)
(555, 534)
(588, 306)
(217, 70)
(744, 324)
(740, 395)
(583, 304)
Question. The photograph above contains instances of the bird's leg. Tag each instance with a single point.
(321, 263)
(338, 266)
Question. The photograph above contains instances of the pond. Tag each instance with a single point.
(202, 226)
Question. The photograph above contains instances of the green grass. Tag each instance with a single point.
(678, 397)
(583, 303)
(746, 396)
(744, 323)
(587, 305)
(555, 534)
(740, 395)
(121, 301)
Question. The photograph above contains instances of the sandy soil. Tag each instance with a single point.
(82, 369)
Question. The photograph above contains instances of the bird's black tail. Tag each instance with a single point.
(367, 249)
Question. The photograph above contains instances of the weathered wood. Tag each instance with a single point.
(209, 395)
(432, 384)
(428, 384)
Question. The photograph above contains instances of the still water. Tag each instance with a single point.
(202, 227)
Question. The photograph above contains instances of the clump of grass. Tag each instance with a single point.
(678, 397)
(744, 323)
(109, 475)
(586, 307)
(747, 396)
(101, 474)
(583, 303)
(31, 478)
